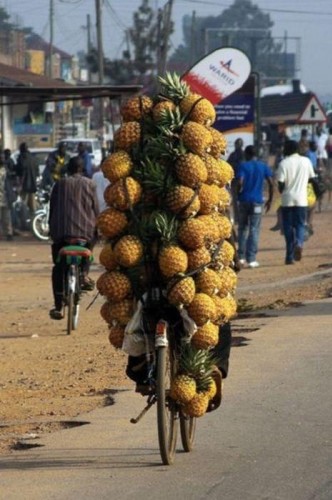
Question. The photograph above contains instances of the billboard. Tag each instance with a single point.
(219, 74)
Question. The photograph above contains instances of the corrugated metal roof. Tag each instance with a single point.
(285, 108)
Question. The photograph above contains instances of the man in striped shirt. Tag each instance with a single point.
(73, 212)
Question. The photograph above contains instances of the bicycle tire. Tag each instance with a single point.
(70, 311)
(40, 226)
(187, 429)
(167, 413)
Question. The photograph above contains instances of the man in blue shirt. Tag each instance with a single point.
(251, 176)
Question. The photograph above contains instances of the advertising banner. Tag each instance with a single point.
(219, 74)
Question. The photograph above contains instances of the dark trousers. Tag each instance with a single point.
(59, 270)
(223, 348)
(293, 221)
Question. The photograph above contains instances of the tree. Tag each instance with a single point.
(243, 25)
(147, 45)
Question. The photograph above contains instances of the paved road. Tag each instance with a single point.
(270, 440)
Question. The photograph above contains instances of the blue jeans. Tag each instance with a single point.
(293, 220)
(250, 216)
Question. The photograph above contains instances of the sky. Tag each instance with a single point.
(307, 24)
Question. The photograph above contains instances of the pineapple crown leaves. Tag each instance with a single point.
(198, 363)
(172, 87)
(171, 121)
(165, 226)
(154, 176)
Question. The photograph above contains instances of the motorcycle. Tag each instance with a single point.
(39, 223)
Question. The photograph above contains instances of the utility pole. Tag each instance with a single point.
(99, 42)
(100, 66)
(167, 22)
(88, 30)
(50, 66)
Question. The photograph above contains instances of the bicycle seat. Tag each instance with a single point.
(75, 253)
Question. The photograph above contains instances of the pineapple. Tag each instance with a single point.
(127, 136)
(224, 225)
(105, 312)
(219, 143)
(196, 138)
(228, 279)
(214, 170)
(212, 230)
(192, 233)
(201, 309)
(206, 337)
(198, 109)
(128, 251)
(183, 201)
(197, 406)
(117, 165)
(121, 312)
(135, 108)
(181, 292)
(111, 222)
(172, 260)
(114, 285)
(116, 335)
(183, 388)
(209, 197)
(227, 172)
(224, 199)
(211, 391)
(208, 281)
(107, 257)
(223, 255)
(159, 110)
(198, 258)
(225, 308)
(190, 170)
(125, 193)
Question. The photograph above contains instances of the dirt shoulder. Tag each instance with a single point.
(47, 377)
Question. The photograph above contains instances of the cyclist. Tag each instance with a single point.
(73, 212)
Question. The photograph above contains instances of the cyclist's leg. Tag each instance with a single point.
(87, 282)
(57, 281)
(222, 353)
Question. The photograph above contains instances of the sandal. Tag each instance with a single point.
(87, 284)
(215, 402)
(56, 314)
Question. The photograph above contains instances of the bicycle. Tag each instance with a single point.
(72, 257)
(164, 338)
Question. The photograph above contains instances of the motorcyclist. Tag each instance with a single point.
(56, 165)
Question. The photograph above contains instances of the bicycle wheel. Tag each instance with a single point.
(70, 311)
(167, 412)
(76, 316)
(187, 428)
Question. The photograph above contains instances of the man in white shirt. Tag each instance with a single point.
(293, 174)
(101, 184)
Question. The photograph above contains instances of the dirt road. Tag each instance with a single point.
(48, 377)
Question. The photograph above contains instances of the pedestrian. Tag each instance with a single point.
(101, 184)
(27, 171)
(303, 142)
(86, 158)
(73, 213)
(56, 165)
(7, 197)
(321, 141)
(234, 159)
(293, 175)
(251, 177)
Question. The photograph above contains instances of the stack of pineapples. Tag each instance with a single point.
(167, 222)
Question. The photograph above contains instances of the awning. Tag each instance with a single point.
(24, 95)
